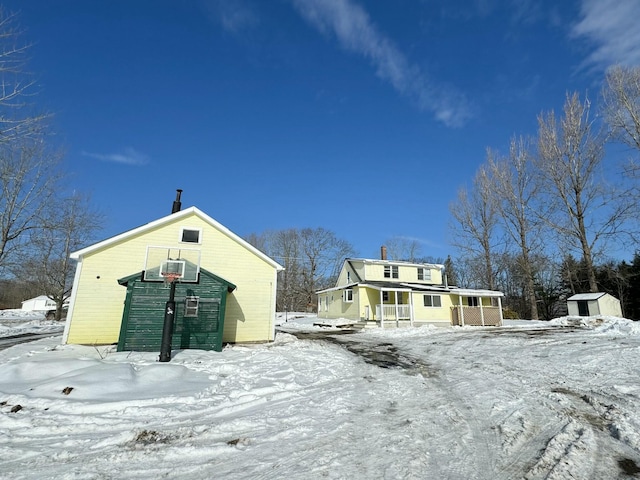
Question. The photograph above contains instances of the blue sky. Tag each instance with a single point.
(364, 117)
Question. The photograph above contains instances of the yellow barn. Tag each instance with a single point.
(103, 281)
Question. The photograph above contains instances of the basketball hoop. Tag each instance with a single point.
(170, 277)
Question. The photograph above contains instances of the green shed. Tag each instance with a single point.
(199, 318)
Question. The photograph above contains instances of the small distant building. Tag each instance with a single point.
(41, 303)
(590, 304)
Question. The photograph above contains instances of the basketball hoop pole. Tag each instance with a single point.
(169, 317)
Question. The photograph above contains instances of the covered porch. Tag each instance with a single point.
(472, 311)
(393, 305)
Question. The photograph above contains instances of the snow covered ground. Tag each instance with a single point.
(19, 322)
(531, 400)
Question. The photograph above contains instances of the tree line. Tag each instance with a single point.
(538, 221)
(40, 222)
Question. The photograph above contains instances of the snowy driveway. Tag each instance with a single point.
(462, 403)
(550, 402)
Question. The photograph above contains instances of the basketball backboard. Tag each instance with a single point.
(182, 262)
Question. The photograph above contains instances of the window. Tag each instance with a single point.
(190, 235)
(472, 301)
(348, 295)
(390, 271)
(432, 301)
(191, 306)
(385, 296)
(424, 273)
(348, 277)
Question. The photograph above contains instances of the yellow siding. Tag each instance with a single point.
(98, 300)
(336, 307)
(406, 273)
(432, 314)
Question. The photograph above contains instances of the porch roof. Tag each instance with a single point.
(412, 287)
(395, 286)
(463, 292)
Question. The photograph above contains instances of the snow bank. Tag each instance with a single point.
(600, 324)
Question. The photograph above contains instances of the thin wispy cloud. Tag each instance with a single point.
(350, 24)
(234, 15)
(129, 156)
(612, 27)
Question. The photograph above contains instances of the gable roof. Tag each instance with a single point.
(587, 296)
(171, 218)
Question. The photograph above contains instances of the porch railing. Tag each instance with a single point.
(393, 312)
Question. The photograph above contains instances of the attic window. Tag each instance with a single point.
(190, 235)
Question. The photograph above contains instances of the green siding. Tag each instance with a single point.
(143, 316)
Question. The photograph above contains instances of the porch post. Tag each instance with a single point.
(500, 310)
(481, 312)
(411, 308)
(395, 295)
(461, 310)
(381, 311)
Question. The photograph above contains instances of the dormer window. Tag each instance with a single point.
(190, 235)
(424, 273)
(390, 271)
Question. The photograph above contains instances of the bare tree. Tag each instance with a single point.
(621, 104)
(68, 225)
(621, 110)
(27, 167)
(403, 248)
(475, 227)
(28, 179)
(516, 187)
(583, 210)
(286, 246)
(311, 258)
(323, 254)
(17, 85)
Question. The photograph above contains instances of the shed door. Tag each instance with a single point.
(202, 331)
(583, 308)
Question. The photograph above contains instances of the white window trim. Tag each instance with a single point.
(191, 306)
(345, 297)
(425, 273)
(432, 297)
(394, 271)
(195, 229)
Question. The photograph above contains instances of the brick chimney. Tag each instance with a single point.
(383, 252)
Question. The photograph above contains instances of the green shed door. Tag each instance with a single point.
(201, 331)
(143, 315)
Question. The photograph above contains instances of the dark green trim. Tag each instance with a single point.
(124, 324)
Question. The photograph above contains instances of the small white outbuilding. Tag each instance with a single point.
(41, 303)
(590, 304)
